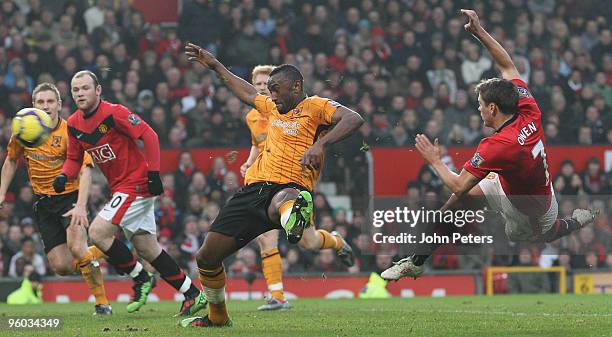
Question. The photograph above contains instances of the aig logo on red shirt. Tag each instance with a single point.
(102, 154)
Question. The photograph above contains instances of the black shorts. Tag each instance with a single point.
(245, 215)
(48, 211)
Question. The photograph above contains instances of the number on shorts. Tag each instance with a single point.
(538, 149)
(116, 201)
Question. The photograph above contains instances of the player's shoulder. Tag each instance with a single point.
(113, 108)
(74, 118)
(317, 101)
(522, 88)
(252, 115)
(497, 141)
(62, 126)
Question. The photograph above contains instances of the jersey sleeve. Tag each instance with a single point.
(74, 155)
(527, 104)
(129, 123)
(327, 113)
(264, 104)
(488, 158)
(14, 149)
(249, 124)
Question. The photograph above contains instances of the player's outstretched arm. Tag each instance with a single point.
(244, 90)
(252, 156)
(72, 164)
(459, 184)
(152, 155)
(346, 122)
(8, 173)
(499, 54)
(78, 214)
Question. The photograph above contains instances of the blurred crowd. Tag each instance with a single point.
(406, 65)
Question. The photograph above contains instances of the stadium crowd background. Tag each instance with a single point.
(407, 66)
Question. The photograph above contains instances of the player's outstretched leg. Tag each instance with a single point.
(317, 239)
(89, 266)
(148, 248)
(562, 227)
(271, 265)
(210, 258)
(72, 256)
(102, 234)
(87, 261)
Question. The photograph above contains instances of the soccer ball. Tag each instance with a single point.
(31, 127)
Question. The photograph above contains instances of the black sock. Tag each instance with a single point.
(120, 257)
(418, 260)
(172, 274)
(561, 228)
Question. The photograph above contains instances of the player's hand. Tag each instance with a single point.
(2, 198)
(243, 168)
(59, 183)
(78, 216)
(312, 157)
(198, 54)
(429, 151)
(154, 183)
(473, 24)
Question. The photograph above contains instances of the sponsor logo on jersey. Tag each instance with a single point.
(297, 112)
(289, 127)
(523, 92)
(102, 154)
(103, 128)
(477, 160)
(134, 119)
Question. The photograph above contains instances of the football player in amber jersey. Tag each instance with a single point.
(271, 262)
(61, 218)
(278, 184)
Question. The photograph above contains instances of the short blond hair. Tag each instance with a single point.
(46, 86)
(261, 70)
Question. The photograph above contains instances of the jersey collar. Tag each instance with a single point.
(508, 122)
(86, 116)
(60, 120)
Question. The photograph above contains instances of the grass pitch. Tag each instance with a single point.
(522, 315)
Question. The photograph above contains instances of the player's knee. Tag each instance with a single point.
(96, 234)
(76, 250)
(62, 268)
(267, 241)
(207, 259)
(308, 243)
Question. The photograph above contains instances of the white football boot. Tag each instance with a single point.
(402, 268)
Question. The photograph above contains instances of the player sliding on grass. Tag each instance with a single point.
(276, 195)
(509, 168)
(61, 218)
(108, 132)
(271, 263)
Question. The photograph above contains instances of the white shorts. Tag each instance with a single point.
(135, 214)
(518, 226)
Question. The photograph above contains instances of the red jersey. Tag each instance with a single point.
(109, 135)
(516, 153)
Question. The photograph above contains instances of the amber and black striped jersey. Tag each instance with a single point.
(288, 137)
